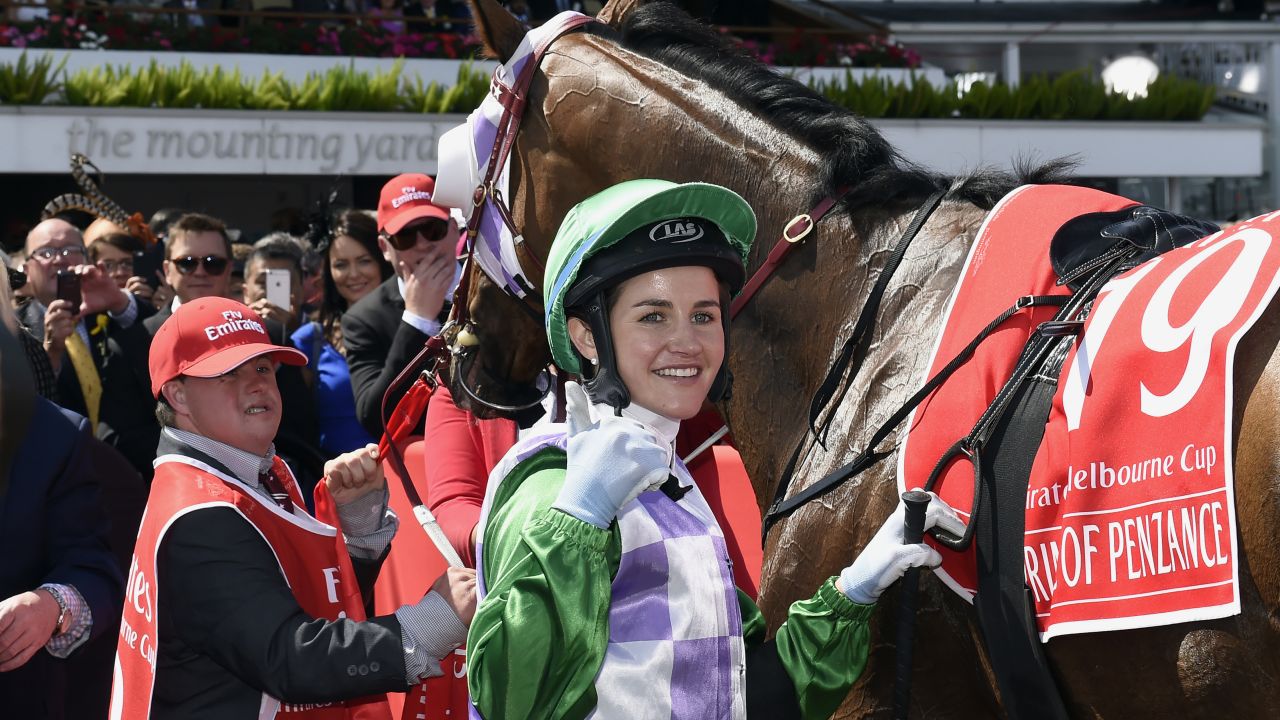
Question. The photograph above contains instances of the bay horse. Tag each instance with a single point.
(649, 92)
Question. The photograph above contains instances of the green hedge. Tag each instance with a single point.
(1071, 96)
(338, 89)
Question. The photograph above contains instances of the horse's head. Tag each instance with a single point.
(643, 92)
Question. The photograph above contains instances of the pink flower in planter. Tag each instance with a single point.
(164, 43)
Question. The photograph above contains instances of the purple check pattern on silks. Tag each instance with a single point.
(675, 645)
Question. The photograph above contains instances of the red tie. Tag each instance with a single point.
(276, 488)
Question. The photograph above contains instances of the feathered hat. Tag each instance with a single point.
(96, 203)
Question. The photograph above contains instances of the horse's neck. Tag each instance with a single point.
(787, 339)
(787, 336)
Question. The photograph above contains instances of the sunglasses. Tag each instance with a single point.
(433, 230)
(213, 264)
(17, 279)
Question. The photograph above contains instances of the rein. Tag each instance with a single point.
(843, 365)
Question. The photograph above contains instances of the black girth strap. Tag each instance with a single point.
(1006, 614)
(1003, 445)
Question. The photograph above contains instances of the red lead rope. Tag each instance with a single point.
(400, 423)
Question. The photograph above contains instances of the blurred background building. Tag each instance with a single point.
(261, 168)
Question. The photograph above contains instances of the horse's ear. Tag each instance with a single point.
(497, 28)
(615, 10)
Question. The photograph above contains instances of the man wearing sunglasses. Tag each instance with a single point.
(386, 328)
(197, 263)
(96, 345)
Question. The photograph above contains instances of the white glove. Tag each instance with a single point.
(886, 558)
(610, 461)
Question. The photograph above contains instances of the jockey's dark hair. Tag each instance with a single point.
(857, 154)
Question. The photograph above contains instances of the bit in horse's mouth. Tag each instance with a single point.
(475, 387)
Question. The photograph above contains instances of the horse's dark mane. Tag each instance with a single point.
(857, 154)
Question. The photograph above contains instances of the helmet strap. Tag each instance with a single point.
(722, 387)
(605, 383)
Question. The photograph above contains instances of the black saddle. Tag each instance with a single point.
(1086, 243)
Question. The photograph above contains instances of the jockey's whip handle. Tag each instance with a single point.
(916, 502)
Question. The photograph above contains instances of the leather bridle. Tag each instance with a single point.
(488, 197)
(513, 99)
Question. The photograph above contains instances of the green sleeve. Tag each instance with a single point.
(822, 645)
(539, 637)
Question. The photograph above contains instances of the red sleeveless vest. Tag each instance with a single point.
(312, 556)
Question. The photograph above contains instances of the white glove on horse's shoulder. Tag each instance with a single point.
(611, 460)
(886, 558)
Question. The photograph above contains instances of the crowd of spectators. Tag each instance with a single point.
(358, 294)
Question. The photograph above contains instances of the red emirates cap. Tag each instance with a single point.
(209, 337)
(406, 198)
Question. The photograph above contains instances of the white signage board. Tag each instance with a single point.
(242, 142)
(228, 142)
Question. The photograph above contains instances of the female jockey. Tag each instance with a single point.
(607, 585)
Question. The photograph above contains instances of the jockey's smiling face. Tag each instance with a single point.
(668, 338)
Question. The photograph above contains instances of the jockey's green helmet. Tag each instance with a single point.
(626, 230)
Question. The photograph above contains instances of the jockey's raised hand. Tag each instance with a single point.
(885, 559)
(611, 460)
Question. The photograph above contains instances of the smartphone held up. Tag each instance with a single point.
(146, 265)
(68, 288)
(279, 292)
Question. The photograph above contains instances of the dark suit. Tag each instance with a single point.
(153, 323)
(298, 439)
(126, 413)
(544, 10)
(379, 345)
(124, 497)
(232, 628)
(53, 529)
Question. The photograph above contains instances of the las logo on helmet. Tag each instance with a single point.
(676, 231)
